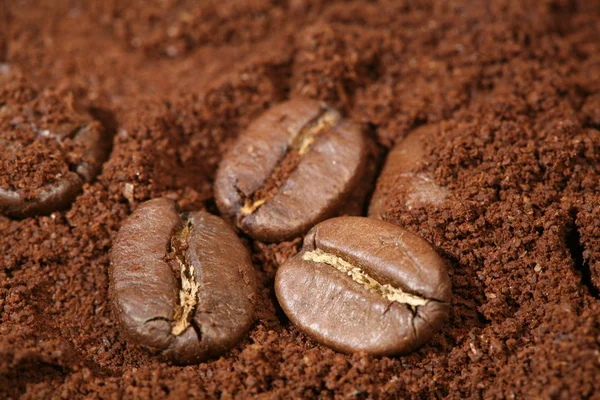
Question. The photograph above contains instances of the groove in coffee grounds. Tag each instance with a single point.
(361, 277)
(188, 292)
(300, 145)
(576, 250)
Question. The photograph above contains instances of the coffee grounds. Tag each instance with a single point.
(37, 131)
(513, 86)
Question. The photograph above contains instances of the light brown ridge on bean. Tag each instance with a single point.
(361, 277)
(188, 294)
(305, 138)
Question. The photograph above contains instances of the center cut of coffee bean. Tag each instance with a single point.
(299, 146)
(362, 278)
(188, 292)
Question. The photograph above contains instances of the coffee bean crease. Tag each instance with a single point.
(361, 277)
(301, 144)
(188, 294)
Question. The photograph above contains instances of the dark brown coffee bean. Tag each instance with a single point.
(361, 284)
(181, 287)
(293, 167)
(84, 136)
(402, 178)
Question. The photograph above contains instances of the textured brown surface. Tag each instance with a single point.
(514, 87)
(49, 147)
(296, 165)
(402, 177)
(154, 251)
(384, 291)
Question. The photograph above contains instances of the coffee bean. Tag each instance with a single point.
(181, 287)
(361, 284)
(83, 135)
(402, 178)
(294, 166)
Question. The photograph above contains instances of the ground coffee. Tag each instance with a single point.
(513, 87)
(48, 149)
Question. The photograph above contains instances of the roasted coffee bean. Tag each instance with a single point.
(83, 135)
(401, 177)
(294, 166)
(181, 287)
(361, 284)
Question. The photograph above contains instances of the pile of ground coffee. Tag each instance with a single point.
(513, 88)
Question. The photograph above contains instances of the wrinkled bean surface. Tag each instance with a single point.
(362, 284)
(294, 166)
(181, 286)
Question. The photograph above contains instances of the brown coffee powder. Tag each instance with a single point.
(513, 86)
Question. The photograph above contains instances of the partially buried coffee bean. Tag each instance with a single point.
(295, 166)
(362, 284)
(182, 287)
(48, 149)
(402, 179)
